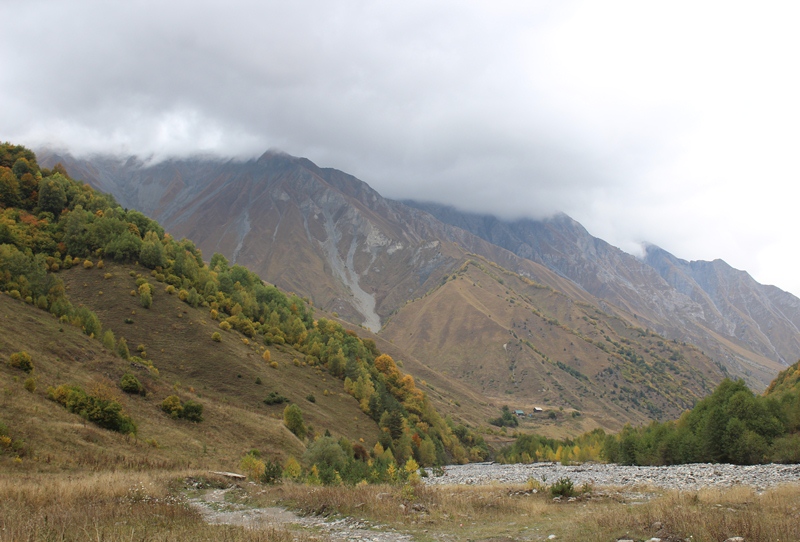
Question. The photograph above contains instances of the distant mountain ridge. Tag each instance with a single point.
(673, 296)
(327, 235)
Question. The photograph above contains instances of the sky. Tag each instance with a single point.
(674, 122)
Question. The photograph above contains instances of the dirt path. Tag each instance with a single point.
(215, 509)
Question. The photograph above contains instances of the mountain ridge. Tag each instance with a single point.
(331, 237)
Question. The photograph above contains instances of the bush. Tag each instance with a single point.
(102, 411)
(293, 419)
(87, 264)
(172, 406)
(130, 384)
(275, 398)
(21, 361)
(310, 398)
(30, 384)
(224, 326)
(252, 466)
(563, 488)
(122, 348)
(266, 356)
(190, 410)
(272, 472)
(216, 337)
(193, 411)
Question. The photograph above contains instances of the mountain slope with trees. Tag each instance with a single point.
(112, 273)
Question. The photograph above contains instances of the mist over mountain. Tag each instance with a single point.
(376, 262)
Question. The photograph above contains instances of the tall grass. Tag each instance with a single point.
(108, 506)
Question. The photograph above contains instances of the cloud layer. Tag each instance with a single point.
(668, 122)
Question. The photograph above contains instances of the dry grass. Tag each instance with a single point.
(151, 507)
(108, 506)
(712, 515)
(493, 512)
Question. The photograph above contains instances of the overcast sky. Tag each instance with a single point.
(670, 122)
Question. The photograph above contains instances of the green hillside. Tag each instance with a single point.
(95, 292)
(787, 381)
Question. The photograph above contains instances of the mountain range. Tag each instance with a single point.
(527, 313)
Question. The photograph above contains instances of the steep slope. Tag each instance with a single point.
(765, 318)
(750, 327)
(330, 237)
(523, 344)
(225, 377)
(307, 229)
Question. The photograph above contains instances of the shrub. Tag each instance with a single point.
(87, 264)
(122, 348)
(109, 341)
(563, 488)
(30, 384)
(216, 337)
(193, 411)
(266, 356)
(293, 419)
(252, 466)
(274, 364)
(292, 469)
(130, 384)
(102, 411)
(224, 326)
(310, 398)
(21, 361)
(272, 472)
(146, 299)
(172, 406)
(275, 398)
(190, 410)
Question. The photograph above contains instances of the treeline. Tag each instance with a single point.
(50, 222)
(534, 448)
(732, 425)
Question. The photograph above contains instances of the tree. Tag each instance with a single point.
(152, 253)
(293, 420)
(52, 197)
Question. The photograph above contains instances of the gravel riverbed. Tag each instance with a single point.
(681, 477)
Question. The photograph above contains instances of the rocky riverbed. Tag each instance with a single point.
(681, 477)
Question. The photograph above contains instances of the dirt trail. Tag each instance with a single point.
(216, 509)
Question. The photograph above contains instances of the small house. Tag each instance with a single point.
(519, 413)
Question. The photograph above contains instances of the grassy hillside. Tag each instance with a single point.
(177, 339)
(194, 334)
(541, 349)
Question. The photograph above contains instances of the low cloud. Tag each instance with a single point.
(645, 123)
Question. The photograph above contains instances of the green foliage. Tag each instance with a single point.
(190, 410)
(122, 348)
(275, 398)
(563, 487)
(21, 361)
(172, 406)
(130, 384)
(101, 410)
(506, 419)
(293, 419)
(732, 425)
